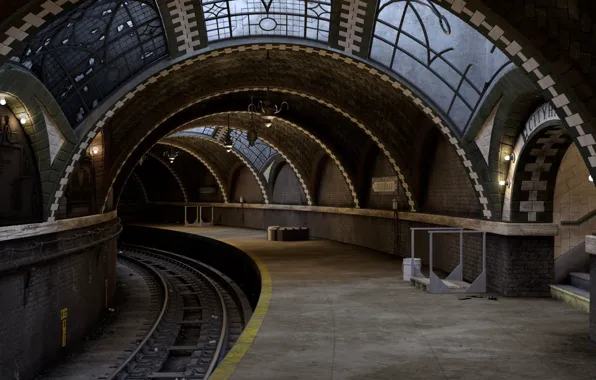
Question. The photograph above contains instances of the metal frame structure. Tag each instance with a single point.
(436, 285)
(199, 218)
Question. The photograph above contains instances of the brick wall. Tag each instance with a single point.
(32, 298)
(382, 168)
(287, 188)
(575, 196)
(449, 189)
(245, 185)
(332, 188)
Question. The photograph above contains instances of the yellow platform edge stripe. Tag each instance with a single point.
(226, 368)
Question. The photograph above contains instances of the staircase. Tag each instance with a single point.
(576, 293)
(572, 278)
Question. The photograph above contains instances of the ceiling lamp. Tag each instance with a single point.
(94, 150)
(590, 178)
(504, 182)
(2, 101)
(23, 118)
(171, 155)
(228, 143)
(266, 107)
(251, 134)
(510, 157)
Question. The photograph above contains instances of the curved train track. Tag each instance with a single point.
(202, 315)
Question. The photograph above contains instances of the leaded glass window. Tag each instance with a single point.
(439, 54)
(258, 154)
(86, 54)
(290, 18)
(205, 131)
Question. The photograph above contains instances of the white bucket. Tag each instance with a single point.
(407, 267)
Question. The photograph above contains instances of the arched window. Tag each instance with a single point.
(439, 54)
(89, 52)
(289, 18)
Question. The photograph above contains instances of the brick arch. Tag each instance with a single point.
(203, 160)
(496, 126)
(291, 158)
(176, 178)
(535, 175)
(425, 108)
(242, 159)
(518, 28)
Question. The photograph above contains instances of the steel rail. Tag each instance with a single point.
(178, 260)
(158, 320)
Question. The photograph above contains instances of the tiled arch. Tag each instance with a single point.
(301, 175)
(420, 103)
(218, 178)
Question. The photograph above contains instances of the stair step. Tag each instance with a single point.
(571, 295)
(580, 280)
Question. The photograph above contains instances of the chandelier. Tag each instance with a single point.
(171, 155)
(228, 143)
(251, 134)
(266, 107)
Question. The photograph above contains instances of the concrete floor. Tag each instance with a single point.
(342, 312)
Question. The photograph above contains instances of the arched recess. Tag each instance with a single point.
(331, 190)
(176, 178)
(377, 75)
(496, 126)
(21, 200)
(533, 186)
(299, 160)
(286, 186)
(541, 141)
(203, 160)
(447, 187)
(51, 137)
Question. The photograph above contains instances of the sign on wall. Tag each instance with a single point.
(384, 184)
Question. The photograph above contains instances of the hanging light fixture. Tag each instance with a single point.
(266, 107)
(171, 154)
(251, 134)
(228, 143)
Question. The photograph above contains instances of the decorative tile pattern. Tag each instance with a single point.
(352, 19)
(185, 25)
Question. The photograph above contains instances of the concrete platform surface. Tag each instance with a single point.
(343, 312)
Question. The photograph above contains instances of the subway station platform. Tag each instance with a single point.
(342, 312)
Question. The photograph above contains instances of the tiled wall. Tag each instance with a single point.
(575, 196)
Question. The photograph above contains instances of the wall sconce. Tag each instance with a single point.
(94, 150)
(2, 101)
(590, 178)
(510, 157)
(395, 205)
(241, 200)
(504, 183)
(23, 118)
